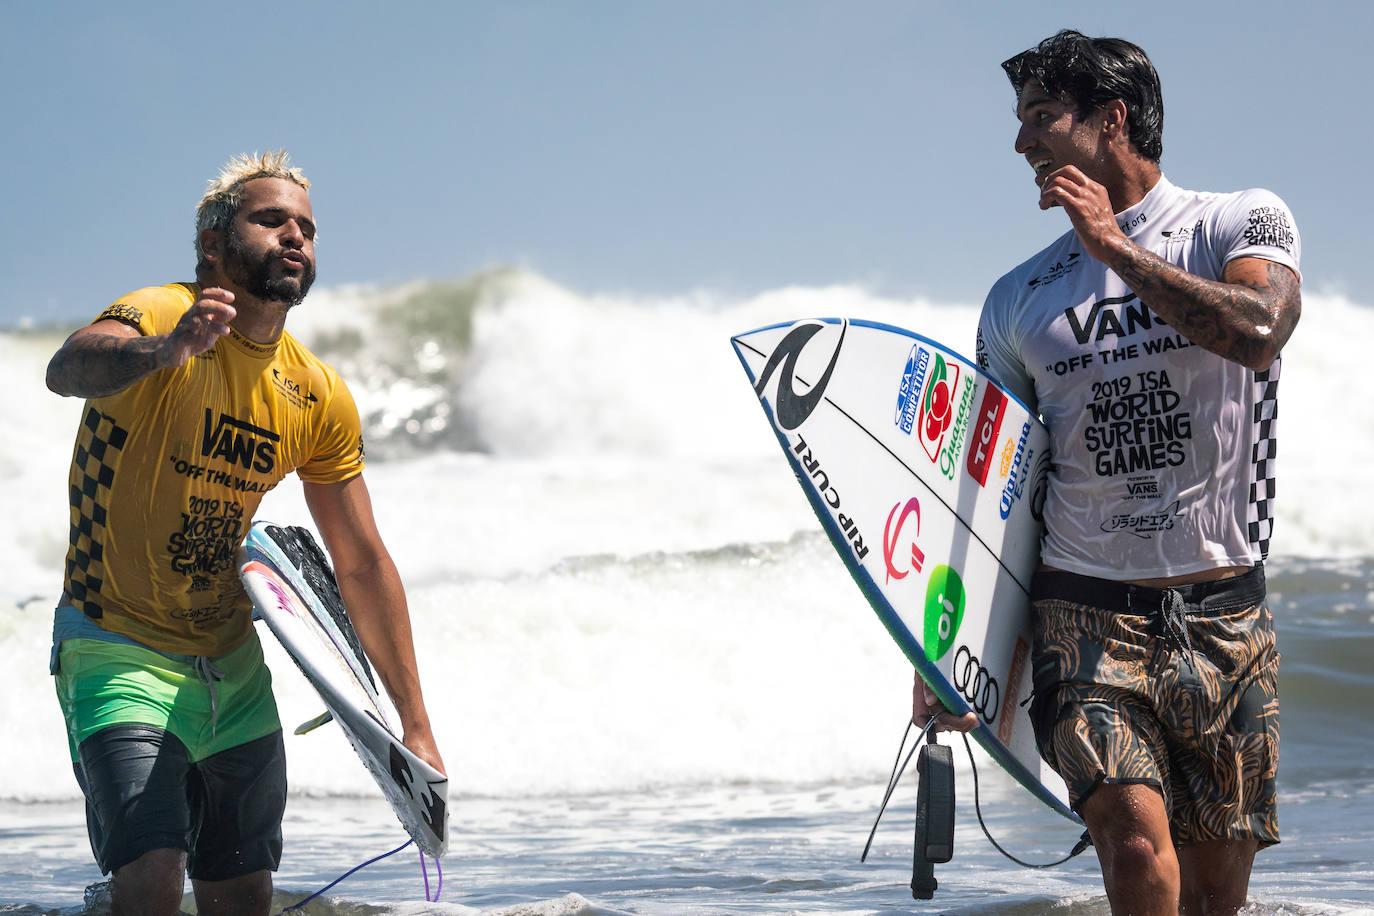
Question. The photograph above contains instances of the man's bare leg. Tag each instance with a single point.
(1215, 876)
(1130, 831)
(153, 883)
(247, 894)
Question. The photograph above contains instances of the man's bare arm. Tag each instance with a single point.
(107, 357)
(372, 591)
(104, 358)
(1246, 317)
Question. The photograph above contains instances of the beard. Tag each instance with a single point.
(255, 275)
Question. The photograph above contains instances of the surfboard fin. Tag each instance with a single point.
(311, 724)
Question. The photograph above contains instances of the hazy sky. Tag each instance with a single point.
(639, 147)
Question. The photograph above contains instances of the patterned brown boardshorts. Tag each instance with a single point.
(1175, 688)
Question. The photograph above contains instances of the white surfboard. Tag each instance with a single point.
(929, 479)
(293, 589)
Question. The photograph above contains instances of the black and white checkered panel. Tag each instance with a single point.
(1261, 510)
(98, 438)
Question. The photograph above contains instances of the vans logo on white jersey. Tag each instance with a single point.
(1117, 316)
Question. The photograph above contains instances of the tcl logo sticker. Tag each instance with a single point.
(987, 424)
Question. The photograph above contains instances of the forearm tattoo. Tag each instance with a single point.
(97, 365)
(1245, 322)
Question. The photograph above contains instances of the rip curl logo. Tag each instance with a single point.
(790, 408)
(811, 465)
(1060, 270)
(1270, 226)
(1144, 525)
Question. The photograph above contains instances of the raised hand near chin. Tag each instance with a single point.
(1089, 208)
(205, 322)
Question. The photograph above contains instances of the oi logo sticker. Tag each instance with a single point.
(944, 611)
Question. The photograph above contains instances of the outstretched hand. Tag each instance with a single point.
(925, 705)
(204, 323)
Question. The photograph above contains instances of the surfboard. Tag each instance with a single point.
(929, 480)
(294, 593)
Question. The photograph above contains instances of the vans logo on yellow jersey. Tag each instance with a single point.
(292, 390)
(238, 442)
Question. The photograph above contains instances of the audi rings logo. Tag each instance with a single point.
(975, 684)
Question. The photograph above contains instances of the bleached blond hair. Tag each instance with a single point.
(224, 193)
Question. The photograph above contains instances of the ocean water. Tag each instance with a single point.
(656, 688)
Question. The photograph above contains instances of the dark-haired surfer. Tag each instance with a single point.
(1147, 337)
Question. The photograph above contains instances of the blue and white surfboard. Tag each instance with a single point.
(928, 478)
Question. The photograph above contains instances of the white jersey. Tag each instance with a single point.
(1162, 453)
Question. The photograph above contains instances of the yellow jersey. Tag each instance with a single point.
(167, 474)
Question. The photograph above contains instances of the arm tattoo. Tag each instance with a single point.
(97, 365)
(1246, 322)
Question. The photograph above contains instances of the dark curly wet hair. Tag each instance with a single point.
(1092, 72)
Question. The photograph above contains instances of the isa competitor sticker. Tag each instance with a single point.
(909, 394)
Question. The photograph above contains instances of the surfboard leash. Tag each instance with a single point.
(934, 841)
(357, 868)
(1083, 843)
(898, 769)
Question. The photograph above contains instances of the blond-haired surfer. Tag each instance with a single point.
(198, 403)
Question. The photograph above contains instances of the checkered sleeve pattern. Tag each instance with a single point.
(1260, 514)
(99, 440)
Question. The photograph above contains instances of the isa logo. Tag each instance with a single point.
(944, 611)
(909, 395)
(937, 406)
